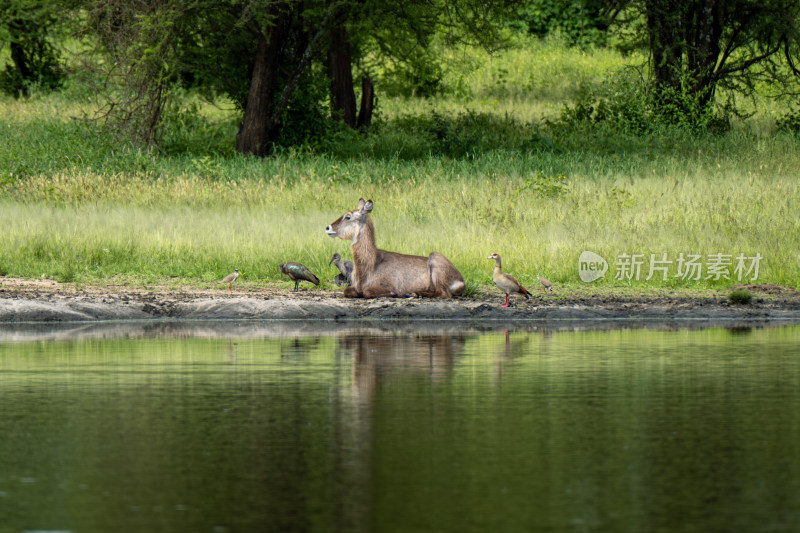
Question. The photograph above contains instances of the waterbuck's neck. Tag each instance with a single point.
(365, 253)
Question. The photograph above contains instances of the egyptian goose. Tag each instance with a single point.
(298, 273)
(506, 282)
(546, 285)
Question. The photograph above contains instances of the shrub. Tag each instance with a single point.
(473, 133)
(740, 297)
(546, 185)
(633, 105)
(790, 121)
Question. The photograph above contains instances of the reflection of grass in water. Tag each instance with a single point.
(145, 359)
(312, 356)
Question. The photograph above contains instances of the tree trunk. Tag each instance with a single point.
(18, 55)
(665, 30)
(704, 48)
(256, 133)
(343, 98)
(367, 102)
(685, 46)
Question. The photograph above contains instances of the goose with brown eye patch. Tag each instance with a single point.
(506, 282)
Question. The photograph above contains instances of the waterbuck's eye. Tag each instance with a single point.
(347, 217)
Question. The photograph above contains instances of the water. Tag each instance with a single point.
(308, 427)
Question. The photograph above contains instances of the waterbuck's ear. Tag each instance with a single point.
(368, 206)
(360, 205)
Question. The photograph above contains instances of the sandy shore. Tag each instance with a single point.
(48, 301)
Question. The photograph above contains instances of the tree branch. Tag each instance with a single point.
(746, 64)
(294, 79)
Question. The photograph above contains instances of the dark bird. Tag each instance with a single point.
(546, 285)
(346, 269)
(506, 282)
(298, 273)
(230, 278)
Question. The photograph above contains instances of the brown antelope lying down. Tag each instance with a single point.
(381, 273)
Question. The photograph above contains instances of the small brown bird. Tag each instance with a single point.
(546, 285)
(298, 273)
(506, 282)
(346, 269)
(230, 278)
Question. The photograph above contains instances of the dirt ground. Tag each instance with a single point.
(49, 301)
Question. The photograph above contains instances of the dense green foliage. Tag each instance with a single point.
(29, 28)
(584, 23)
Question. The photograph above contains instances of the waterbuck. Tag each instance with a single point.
(381, 273)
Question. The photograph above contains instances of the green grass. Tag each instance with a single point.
(467, 174)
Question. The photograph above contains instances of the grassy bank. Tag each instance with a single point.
(474, 172)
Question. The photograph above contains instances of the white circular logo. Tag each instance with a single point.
(591, 266)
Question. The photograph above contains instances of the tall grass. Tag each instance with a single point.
(473, 172)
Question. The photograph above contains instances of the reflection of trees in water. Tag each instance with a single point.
(298, 347)
(740, 330)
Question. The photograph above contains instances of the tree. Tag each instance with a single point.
(135, 56)
(337, 34)
(26, 27)
(698, 46)
(262, 112)
(268, 56)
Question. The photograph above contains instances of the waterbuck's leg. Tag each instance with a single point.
(351, 292)
(376, 291)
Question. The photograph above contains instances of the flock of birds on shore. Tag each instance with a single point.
(298, 272)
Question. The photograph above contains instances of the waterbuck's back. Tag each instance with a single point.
(405, 274)
(402, 274)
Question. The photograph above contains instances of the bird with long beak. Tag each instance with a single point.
(298, 273)
(345, 268)
(506, 282)
(230, 278)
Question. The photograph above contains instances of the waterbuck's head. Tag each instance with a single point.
(349, 225)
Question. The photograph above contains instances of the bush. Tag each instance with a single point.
(473, 133)
(581, 22)
(185, 131)
(633, 105)
(740, 297)
(546, 185)
(789, 122)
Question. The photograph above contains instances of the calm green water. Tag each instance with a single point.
(262, 428)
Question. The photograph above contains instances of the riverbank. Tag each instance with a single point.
(50, 301)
